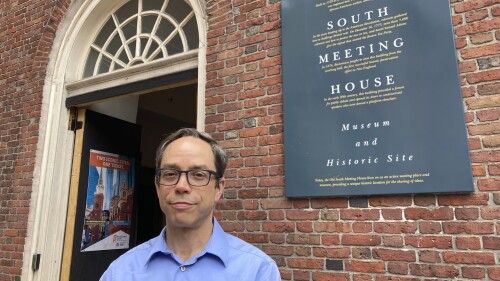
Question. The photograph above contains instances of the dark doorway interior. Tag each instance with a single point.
(159, 113)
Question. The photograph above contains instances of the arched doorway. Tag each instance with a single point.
(102, 63)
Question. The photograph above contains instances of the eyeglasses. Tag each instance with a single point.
(169, 177)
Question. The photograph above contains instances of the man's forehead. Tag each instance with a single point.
(198, 150)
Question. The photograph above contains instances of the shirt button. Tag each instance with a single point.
(183, 268)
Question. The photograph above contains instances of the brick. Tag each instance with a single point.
(331, 252)
(490, 213)
(476, 15)
(488, 89)
(329, 240)
(393, 241)
(276, 204)
(478, 170)
(488, 62)
(425, 200)
(484, 76)
(399, 268)
(483, 102)
(463, 199)
(467, 66)
(468, 243)
(473, 272)
(488, 115)
(494, 273)
(468, 227)
(472, 5)
(278, 227)
(395, 227)
(361, 253)
(360, 240)
(305, 263)
(359, 214)
(332, 227)
(392, 214)
(491, 184)
(429, 214)
(491, 242)
(478, 27)
(467, 213)
(394, 255)
(364, 266)
(390, 201)
(429, 256)
(362, 227)
(302, 215)
(469, 257)
(327, 276)
(303, 239)
(485, 156)
(440, 242)
(434, 270)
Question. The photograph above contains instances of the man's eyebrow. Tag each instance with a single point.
(195, 167)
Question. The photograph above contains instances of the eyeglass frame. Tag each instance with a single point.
(210, 173)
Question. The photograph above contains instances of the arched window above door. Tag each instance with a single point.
(140, 32)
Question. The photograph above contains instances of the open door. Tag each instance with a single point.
(101, 222)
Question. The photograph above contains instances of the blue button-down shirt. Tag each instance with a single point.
(225, 257)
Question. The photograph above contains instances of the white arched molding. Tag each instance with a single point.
(50, 190)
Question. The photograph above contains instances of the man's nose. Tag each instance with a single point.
(182, 185)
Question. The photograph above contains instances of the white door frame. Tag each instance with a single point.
(52, 173)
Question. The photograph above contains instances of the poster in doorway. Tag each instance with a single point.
(109, 202)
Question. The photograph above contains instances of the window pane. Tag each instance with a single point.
(151, 5)
(191, 31)
(104, 65)
(148, 23)
(130, 29)
(164, 29)
(127, 10)
(144, 41)
(114, 45)
(152, 48)
(174, 46)
(131, 46)
(123, 57)
(105, 32)
(178, 9)
(89, 65)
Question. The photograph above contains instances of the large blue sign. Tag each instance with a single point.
(372, 100)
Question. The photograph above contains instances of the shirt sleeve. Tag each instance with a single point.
(270, 273)
(107, 275)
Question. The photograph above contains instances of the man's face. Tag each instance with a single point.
(183, 205)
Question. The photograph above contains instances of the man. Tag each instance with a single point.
(189, 182)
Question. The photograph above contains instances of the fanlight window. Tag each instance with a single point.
(142, 31)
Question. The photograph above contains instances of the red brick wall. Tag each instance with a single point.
(27, 30)
(410, 237)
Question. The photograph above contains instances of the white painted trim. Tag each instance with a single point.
(51, 178)
(199, 7)
(173, 64)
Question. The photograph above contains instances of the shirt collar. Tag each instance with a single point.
(217, 245)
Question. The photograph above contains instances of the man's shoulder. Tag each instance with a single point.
(240, 247)
(138, 254)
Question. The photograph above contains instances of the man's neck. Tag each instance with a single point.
(187, 242)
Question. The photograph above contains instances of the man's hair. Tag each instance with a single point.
(219, 153)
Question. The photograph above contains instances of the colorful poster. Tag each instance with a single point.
(109, 203)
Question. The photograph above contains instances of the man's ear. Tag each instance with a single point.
(219, 188)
